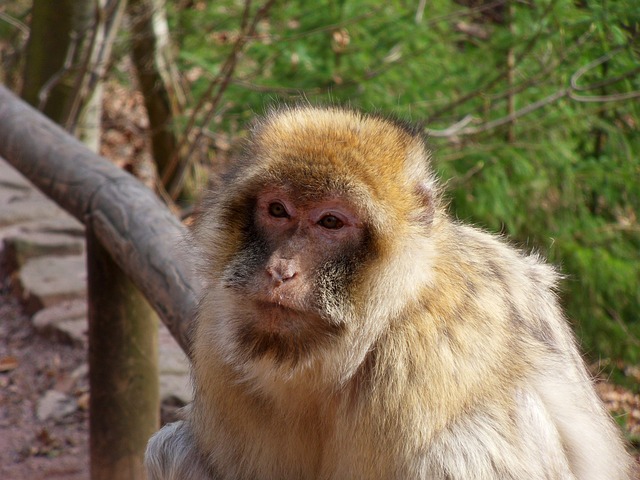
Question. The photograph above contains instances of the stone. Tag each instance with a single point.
(24, 206)
(65, 321)
(65, 224)
(80, 373)
(24, 245)
(55, 405)
(48, 280)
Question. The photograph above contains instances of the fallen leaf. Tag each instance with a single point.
(8, 363)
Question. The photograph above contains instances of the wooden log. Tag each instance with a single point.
(137, 230)
(123, 369)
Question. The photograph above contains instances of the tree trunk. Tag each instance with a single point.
(67, 53)
(158, 79)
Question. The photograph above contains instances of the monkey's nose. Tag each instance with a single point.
(281, 272)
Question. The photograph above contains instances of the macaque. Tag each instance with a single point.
(351, 329)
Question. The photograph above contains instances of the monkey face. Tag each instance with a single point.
(298, 261)
(319, 235)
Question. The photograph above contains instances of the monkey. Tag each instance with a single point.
(350, 328)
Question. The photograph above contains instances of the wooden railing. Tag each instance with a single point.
(131, 256)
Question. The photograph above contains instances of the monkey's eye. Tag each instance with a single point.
(331, 222)
(276, 209)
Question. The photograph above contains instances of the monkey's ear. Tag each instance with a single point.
(421, 181)
(426, 194)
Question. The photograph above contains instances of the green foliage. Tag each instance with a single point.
(564, 178)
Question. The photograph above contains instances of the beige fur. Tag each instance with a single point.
(452, 361)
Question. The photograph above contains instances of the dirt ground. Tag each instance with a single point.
(30, 365)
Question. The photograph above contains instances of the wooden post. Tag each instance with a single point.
(123, 368)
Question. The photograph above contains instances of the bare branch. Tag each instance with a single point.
(500, 76)
(506, 119)
(222, 81)
(452, 130)
(590, 66)
(459, 128)
(15, 23)
(614, 97)
(45, 91)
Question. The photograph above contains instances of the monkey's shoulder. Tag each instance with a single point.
(495, 258)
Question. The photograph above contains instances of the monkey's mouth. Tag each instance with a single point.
(266, 304)
(277, 315)
(283, 332)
